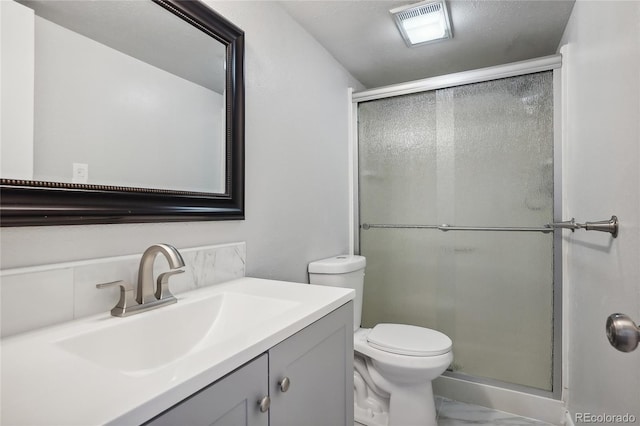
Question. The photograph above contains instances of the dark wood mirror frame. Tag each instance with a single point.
(37, 203)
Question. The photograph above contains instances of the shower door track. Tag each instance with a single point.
(529, 66)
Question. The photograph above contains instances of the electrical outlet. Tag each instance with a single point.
(80, 173)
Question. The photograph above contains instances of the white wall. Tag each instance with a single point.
(16, 96)
(296, 160)
(601, 159)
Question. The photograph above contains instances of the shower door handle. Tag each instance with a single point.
(622, 332)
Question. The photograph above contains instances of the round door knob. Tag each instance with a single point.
(622, 332)
(284, 384)
(264, 404)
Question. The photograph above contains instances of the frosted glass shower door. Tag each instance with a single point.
(477, 155)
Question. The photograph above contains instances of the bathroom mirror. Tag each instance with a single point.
(137, 113)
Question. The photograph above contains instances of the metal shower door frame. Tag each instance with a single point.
(553, 62)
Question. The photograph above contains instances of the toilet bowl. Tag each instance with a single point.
(394, 364)
(402, 374)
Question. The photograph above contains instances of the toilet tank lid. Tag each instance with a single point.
(338, 264)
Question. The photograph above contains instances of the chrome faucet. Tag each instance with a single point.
(149, 296)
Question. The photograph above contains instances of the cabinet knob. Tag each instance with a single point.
(284, 384)
(264, 404)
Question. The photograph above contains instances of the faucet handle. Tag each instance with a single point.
(162, 288)
(127, 298)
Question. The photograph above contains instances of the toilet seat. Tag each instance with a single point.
(363, 347)
(409, 340)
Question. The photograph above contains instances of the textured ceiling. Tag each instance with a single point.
(362, 36)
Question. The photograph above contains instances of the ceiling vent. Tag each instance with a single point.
(424, 22)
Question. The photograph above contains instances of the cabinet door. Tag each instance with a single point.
(231, 401)
(318, 362)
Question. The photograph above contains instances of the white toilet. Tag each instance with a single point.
(394, 364)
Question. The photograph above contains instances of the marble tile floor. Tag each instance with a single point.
(454, 413)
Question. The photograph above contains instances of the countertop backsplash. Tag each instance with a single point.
(39, 296)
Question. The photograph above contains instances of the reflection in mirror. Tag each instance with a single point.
(117, 111)
(126, 95)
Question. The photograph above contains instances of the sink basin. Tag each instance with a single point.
(145, 342)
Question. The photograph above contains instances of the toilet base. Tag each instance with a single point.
(369, 407)
(406, 410)
(401, 408)
(368, 417)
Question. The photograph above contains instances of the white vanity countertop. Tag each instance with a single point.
(44, 384)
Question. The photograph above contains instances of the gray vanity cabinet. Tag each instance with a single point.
(230, 401)
(308, 379)
(311, 374)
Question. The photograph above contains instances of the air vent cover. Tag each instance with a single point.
(423, 22)
(422, 10)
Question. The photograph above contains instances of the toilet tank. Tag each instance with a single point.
(342, 271)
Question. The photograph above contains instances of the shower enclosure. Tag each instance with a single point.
(455, 186)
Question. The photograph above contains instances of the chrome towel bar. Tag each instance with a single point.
(610, 226)
(445, 227)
